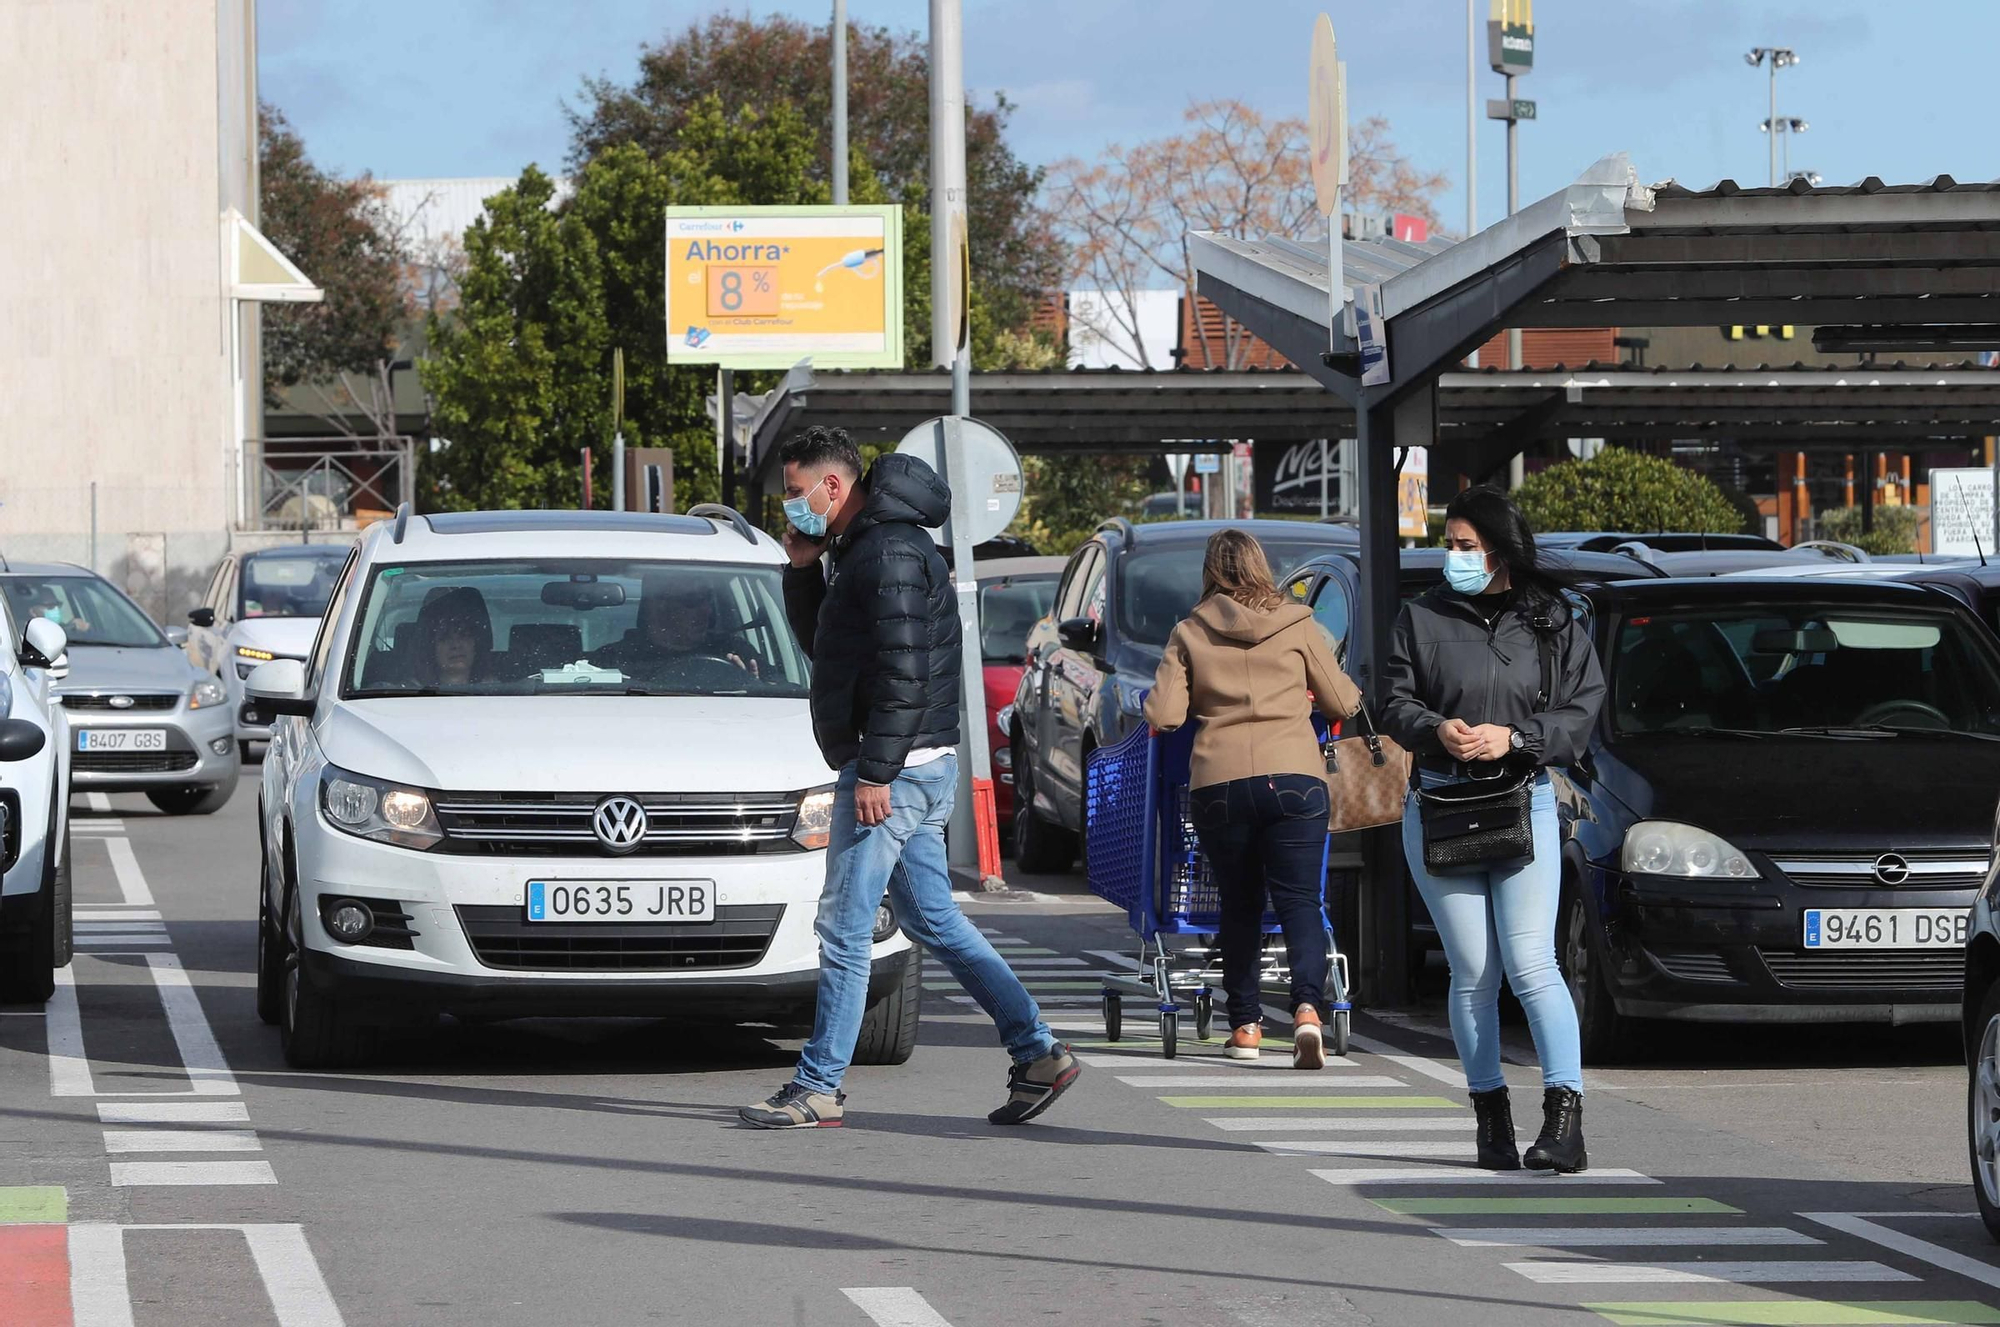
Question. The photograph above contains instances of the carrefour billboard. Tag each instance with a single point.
(764, 287)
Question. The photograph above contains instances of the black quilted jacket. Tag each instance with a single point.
(881, 627)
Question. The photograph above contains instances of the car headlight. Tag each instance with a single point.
(206, 692)
(251, 652)
(1663, 847)
(1003, 718)
(815, 818)
(373, 809)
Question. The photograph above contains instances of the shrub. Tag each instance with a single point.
(1895, 529)
(1619, 489)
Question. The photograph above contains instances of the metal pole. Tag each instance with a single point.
(1773, 121)
(1517, 469)
(1325, 464)
(1471, 121)
(618, 470)
(840, 103)
(727, 414)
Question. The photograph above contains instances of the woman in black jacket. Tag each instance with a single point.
(1491, 676)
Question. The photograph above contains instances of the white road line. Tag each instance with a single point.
(99, 1293)
(1140, 1057)
(1467, 1175)
(1280, 1124)
(172, 1112)
(895, 1306)
(82, 826)
(69, 1068)
(299, 1297)
(1465, 1149)
(181, 1140)
(112, 930)
(1707, 1273)
(97, 801)
(125, 864)
(1923, 1250)
(1225, 1078)
(120, 913)
(125, 1174)
(99, 944)
(1045, 999)
(1116, 960)
(1023, 964)
(1416, 1064)
(207, 1071)
(1596, 1237)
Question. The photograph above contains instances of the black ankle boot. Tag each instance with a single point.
(1496, 1131)
(1560, 1148)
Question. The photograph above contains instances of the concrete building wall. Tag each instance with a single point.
(114, 345)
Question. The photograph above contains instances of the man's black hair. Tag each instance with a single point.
(819, 446)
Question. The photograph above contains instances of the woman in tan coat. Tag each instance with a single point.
(1250, 667)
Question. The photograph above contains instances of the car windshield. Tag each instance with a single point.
(282, 584)
(1008, 610)
(1807, 667)
(532, 628)
(1159, 587)
(87, 608)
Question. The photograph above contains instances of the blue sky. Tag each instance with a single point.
(1903, 91)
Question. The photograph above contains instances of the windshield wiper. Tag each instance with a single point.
(1704, 731)
(1841, 730)
(1914, 731)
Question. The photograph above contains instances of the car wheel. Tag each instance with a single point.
(1982, 1109)
(889, 1026)
(1039, 847)
(313, 1029)
(1600, 1028)
(270, 956)
(194, 801)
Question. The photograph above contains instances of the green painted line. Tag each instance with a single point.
(34, 1202)
(1312, 1103)
(1553, 1206)
(1800, 1313)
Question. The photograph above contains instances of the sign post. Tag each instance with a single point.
(1326, 123)
(1510, 49)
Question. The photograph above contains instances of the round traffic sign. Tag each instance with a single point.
(1325, 119)
(989, 479)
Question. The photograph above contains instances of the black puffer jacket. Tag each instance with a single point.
(881, 626)
(1445, 662)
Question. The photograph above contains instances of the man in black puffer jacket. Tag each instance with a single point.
(872, 602)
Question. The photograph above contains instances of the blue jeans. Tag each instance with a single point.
(903, 855)
(1495, 920)
(1267, 835)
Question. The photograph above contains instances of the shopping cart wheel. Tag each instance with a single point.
(1204, 1015)
(1170, 1027)
(1340, 1017)
(1114, 1016)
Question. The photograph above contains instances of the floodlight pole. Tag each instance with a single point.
(840, 103)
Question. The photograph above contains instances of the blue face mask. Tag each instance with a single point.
(1466, 572)
(810, 523)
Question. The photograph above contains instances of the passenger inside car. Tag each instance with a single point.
(677, 621)
(455, 632)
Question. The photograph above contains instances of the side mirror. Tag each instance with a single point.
(177, 636)
(279, 687)
(19, 740)
(42, 644)
(1079, 634)
(200, 617)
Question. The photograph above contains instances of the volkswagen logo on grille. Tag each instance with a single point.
(619, 823)
(120, 702)
(1892, 869)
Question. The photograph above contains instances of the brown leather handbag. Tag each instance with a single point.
(1367, 778)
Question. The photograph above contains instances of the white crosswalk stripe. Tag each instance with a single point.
(1459, 1148)
(1602, 1237)
(1283, 1124)
(1299, 1082)
(1450, 1176)
(1719, 1273)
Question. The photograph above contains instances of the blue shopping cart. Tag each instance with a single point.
(1142, 855)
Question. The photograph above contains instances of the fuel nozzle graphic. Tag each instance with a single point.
(864, 263)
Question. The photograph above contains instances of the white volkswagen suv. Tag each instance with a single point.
(550, 763)
(35, 912)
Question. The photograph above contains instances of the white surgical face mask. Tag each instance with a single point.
(1465, 571)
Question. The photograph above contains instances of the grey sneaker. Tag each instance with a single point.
(796, 1107)
(1033, 1087)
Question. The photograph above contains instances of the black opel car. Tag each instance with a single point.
(1789, 807)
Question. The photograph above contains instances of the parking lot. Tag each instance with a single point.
(594, 1172)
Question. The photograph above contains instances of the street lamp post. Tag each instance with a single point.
(1776, 57)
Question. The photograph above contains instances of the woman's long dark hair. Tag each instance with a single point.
(1504, 531)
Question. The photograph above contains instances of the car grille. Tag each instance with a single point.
(558, 825)
(10, 828)
(76, 701)
(502, 937)
(133, 762)
(1946, 868)
(1693, 964)
(1868, 969)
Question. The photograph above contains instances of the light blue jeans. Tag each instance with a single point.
(904, 855)
(1502, 920)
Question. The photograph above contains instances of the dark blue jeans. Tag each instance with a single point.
(1266, 836)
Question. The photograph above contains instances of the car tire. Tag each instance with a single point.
(1603, 1033)
(313, 1030)
(1039, 847)
(193, 801)
(271, 949)
(1982, 1110)
(889, 1025)
(31, 953)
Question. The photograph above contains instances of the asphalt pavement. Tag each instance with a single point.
(160, 1165)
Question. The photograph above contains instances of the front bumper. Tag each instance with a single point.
(1692, 951)
(207, 734)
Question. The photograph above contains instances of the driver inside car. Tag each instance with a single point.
(676, 622)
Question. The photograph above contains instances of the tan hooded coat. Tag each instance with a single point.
(1251, 677)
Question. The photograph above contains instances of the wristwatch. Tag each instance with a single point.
(1515, 740)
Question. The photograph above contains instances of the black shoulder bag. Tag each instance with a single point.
(1485, 820)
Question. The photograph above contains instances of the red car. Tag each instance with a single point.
(1014, 594)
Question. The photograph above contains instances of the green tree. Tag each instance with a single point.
(1895, 529)
(1621, 489)
(337, 233)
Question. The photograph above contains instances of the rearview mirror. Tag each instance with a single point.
(1079, 634)
(279, 687)
(201, 617)
(583, 595)
(20, 740)
(1801, 640)
(42, 643)
(177, 635)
